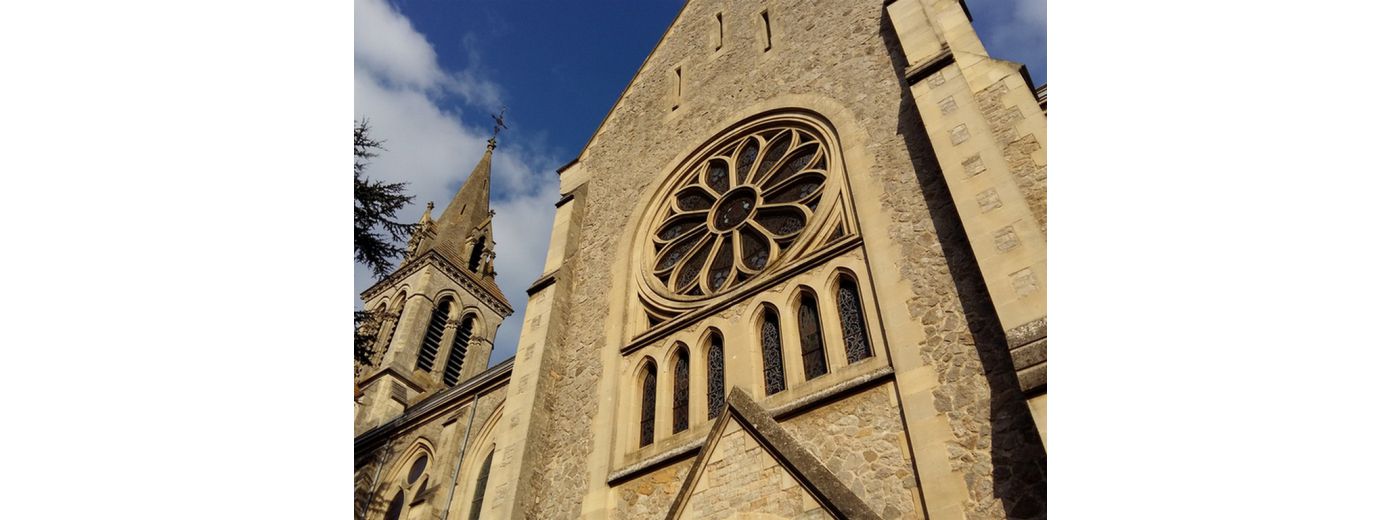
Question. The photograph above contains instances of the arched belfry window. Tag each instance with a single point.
(427, 353)
(774, 380)
(853, 329)
(648, 425)
(680, 406)
(809, 332)
(458, 355)
(479, 495)
(715, 384)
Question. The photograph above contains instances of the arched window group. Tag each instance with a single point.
(680, 388)
(434, 340)
(811, 347)
(811, 339)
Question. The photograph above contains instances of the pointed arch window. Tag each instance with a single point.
(715, 383)
(680, 406)
(774, 380)
(648, 425)
(809, 333)
(853, 329)
(479, 496)
(395, 507)
(427, 353)
(414, 475)
(458, 356)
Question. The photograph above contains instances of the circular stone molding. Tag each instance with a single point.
(737, 209)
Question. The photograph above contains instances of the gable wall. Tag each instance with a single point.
(842, 60)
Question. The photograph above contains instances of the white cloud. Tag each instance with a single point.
(398, 86)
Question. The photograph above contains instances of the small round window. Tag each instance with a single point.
(417, 469)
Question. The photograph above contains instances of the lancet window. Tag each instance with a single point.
(715, 375)
(809, 333)
(680, 406)
(479, 496)
(648, 425)
(774, 380)
(853, 329)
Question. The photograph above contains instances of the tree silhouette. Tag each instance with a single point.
(377, 235)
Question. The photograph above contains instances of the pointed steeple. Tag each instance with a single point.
(466, 222)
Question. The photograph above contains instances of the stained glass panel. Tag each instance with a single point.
(649, 405)
(852, 321)
(680, 408)
(715, 390)
(809, 331)
(773, 378)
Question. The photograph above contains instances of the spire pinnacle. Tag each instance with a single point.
(427, 213)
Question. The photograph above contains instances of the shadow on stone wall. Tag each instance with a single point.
(1018, 459)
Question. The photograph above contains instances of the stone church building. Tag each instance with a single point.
(797, 272)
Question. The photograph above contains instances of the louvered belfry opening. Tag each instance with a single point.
(427, 353)
(648, 425)
(474, 262)
(680, 407)
(479, 495)
(774, 380)
(715, 390)
(852, 321)
(809, 332)
(458, 355)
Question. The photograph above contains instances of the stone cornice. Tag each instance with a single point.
(434, 258)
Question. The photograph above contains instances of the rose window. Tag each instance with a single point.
(739, 209)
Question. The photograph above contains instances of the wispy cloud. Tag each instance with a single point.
(406, 95)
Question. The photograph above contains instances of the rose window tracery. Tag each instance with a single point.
(738, 210)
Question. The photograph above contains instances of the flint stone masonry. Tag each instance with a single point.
(860, 439)
(650, 496)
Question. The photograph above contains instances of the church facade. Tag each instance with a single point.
(797, 272)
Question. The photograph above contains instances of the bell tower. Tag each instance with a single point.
(442, 306)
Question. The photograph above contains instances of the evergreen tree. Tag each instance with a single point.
(377, 234)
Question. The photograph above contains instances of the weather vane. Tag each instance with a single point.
(500, 122)
(500, 125)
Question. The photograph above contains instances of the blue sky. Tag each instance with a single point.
(428, 72)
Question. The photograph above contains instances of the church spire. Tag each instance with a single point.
(471, 207)
(463, 231)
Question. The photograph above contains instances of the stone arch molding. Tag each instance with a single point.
(751, 202)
